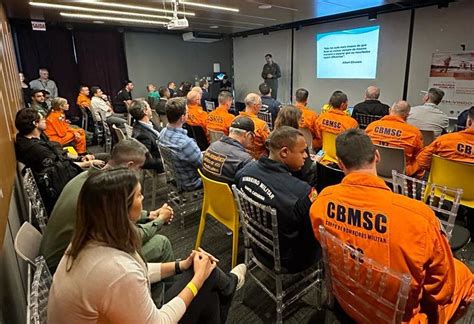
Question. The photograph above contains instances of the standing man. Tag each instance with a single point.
(270, 74)
(44, 83)
(205, 96)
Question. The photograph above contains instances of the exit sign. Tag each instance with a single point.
(38, 25)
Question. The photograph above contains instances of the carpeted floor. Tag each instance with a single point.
(256, 307)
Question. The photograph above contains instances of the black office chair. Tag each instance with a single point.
(198, 134)
(327, 176)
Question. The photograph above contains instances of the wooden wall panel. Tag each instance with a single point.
(10, 102)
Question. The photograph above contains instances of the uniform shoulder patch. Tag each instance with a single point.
(313, 194)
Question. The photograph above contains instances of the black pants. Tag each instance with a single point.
(212, 303)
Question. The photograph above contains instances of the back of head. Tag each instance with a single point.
(264, 89)
(203, 83)
(57, 103)
(372, 92)
(224, 97)
(197, 89)
(25, 120)
(400, 108)
(301, 95)
(355, 149)
(193, 97)
(284, 136)
(175, 108)
(99, 219)
(288, 116)
(162, 91)
(186, 87)
(137, 109)
(252, 99)
(435, 95)
(338, 99)
(128, 150)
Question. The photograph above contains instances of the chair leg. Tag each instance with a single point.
(235, 246)
(279, 300)
(202, 224)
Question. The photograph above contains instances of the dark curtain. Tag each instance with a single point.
(54, 50)
(101, 58)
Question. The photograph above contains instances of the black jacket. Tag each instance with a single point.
(160, 106)
(270, 105)
(150, 139)
(371, 107)
(291, 199)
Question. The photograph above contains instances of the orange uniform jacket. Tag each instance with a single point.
(220, 120)
(257, 148)
(197, 117)
(394, 131)
(308, 119)
(458, 146)
(58, 130)
(334, 121)
(392, 229)
(83, 101)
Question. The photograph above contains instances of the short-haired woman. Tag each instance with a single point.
(103, 279)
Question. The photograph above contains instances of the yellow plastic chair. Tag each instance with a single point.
(219, 203)
(454, 174)
(71, 150)
(329, 147)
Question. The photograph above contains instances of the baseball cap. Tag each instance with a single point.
(243, 123)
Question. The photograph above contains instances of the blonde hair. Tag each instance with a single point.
(57, 103)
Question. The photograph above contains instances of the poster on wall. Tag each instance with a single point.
(453, 72)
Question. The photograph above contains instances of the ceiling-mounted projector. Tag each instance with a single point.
(178, 23)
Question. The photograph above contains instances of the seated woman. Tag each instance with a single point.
(58, 129)
(103, 279)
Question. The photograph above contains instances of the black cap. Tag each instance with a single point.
(243, 123)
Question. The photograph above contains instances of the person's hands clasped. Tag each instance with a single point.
(164, 213)
(97, 163)
(188, 262)
(203, 266)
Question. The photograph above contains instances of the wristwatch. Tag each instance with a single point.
(177, 269)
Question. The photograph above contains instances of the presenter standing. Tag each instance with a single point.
(270, 74)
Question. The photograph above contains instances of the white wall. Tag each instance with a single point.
(249, 58)
(393, 42)
(438, 30)
(160, 58)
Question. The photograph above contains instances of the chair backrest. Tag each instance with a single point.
(454, 174)
(168, 162)
(370, 292)
(391, 158)
(120, 135)
(197, 132)
(27, 242)
(210, 106)
(428, 137)
(327, 176)
(266, 117)
(260, 227)
(155, 117)
(364, 120)
(214, 135)
(36, 206)
(218, 199)
(433, 195)
(40, 286)
(308, 137)
(128, 131)
(329, 146)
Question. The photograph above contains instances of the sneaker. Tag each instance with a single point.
(240, 270)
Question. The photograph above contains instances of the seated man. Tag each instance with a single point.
(187, 155)
(34, 149)
(59, 231)
(308, 116)
(38, 101)
(458, 146)
(394, 230)
(146, 132)
(327, 106)
(269, 181)
(99, 102)
(393, 130)
(226, 156)
(371, 104)
(220, 119)
(335, 120)
(59, 130)
(196, 116)
(268, 103)
(253, 102)
(428, 116)
(161, 105)
(123, 99)
(83, 100)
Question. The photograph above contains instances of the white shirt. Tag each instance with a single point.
(99, 103)
(428, 117)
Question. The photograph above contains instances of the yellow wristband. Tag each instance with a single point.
(193, 288)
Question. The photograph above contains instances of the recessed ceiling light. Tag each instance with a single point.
(265, 6)
(214, 26)
(119, 19)
(126, 6)
(102, 11)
